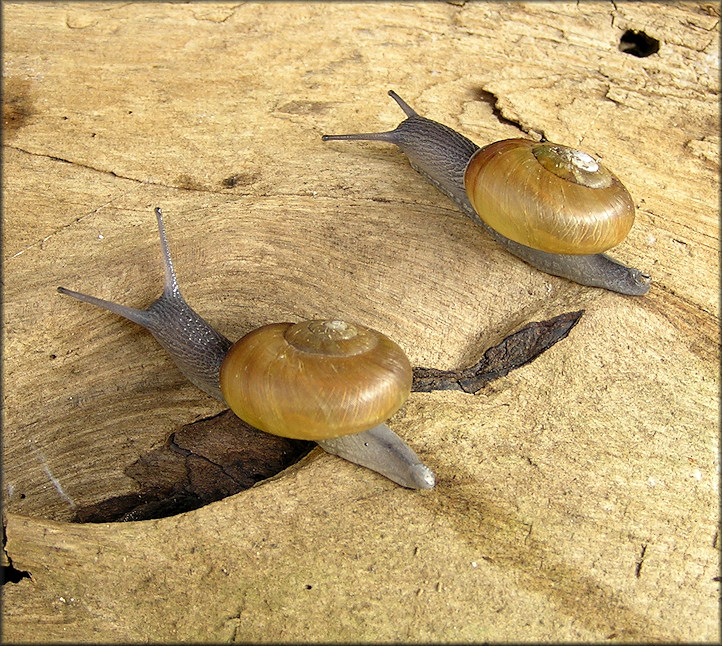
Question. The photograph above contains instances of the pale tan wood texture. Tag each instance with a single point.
(576, 497)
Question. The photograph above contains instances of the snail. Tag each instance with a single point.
(331, 381)
(552, 206)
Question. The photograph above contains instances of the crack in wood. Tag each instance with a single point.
(492, 100)
(11, 574)
(640, 561)
(180, 186)
(202, 462)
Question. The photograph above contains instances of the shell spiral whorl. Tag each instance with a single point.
(549, 197)
(315, 380)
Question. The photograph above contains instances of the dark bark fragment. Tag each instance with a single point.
(513, 352)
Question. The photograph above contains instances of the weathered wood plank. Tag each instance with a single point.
(576, 497)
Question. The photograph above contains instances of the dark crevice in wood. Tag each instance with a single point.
(492, 100)
(11, 574)
(638, 44)
(199, 464)
(640, 561)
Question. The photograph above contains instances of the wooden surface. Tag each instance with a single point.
(577, 497)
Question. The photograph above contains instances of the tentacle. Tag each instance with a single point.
(390, 136)
(194, 345)
(141, 317)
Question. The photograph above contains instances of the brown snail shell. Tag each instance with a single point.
(548, 197)
(315, 380)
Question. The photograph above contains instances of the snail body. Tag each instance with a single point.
(331, 381)
(552, 206)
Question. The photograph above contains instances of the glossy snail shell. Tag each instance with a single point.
(315, 380)
(549, 197)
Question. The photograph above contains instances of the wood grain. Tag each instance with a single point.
(577, 495)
